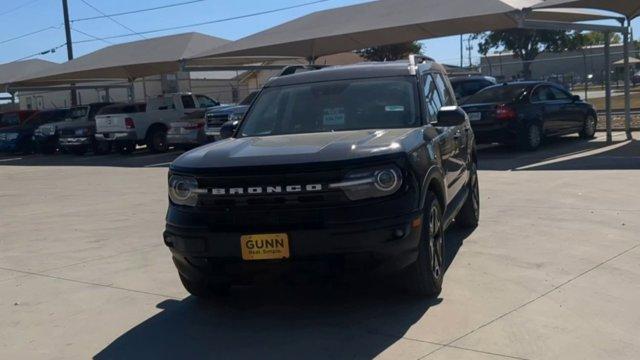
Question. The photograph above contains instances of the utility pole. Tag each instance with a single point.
(469, 48)
(461, 51)
(67, 30)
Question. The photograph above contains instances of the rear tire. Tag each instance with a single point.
(531, 138)
(203, 290)
(590, 126)
(425, 276)
(469, 215)
(157, 141)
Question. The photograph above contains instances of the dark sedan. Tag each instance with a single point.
(524, 113)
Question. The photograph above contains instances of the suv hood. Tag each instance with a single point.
(301, 149)
(74, 125)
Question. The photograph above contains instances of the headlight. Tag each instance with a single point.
(183, 190)
(236, 117)
(12, 136)
(374, 183)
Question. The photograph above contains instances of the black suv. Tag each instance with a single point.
(358, 167)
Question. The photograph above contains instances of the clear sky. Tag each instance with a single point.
(20, 17)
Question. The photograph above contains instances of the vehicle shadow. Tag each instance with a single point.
(564, 153)
(330, 321)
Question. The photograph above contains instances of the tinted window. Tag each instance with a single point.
(206, 102)
(433, 101)
(249, 99)
(447, 97)
(122, 109)
(463, 89)
(188, 102)
(10, 119)
(559, 94)
(334, 106)
(498, 94)
(78, 113)
(543, 93)
(45, 117)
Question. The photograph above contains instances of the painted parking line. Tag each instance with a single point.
(159, 165)
(12, 159)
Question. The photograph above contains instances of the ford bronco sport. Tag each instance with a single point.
(359, 167)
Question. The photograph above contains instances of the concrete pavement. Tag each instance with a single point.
(553, 272)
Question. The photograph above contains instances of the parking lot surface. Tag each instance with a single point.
(553, 271)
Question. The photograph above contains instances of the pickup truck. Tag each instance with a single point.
(149, 127)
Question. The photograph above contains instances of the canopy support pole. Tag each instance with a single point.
(607, 84)
(627, 85)
(107, 94)
(131, 91)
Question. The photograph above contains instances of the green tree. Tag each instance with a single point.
(597, 38)
(390, 52)
(526, 44)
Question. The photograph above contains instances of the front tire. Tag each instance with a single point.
(469, 215)
(79, 150)
(126, 147)
(157, 141)
(590, 126)
(425, 276)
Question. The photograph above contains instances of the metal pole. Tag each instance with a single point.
(585, 76)
(461, 51)
(607, 83)
(627, 85)
(67, 30)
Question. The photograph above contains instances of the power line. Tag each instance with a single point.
(112, 19)
(91, 36)
(19, 7)
(212, 21)
(45, 52)
(29, 34)
(137, 11)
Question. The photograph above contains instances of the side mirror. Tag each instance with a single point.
(451, 116)
(228, 129)
(576, 98)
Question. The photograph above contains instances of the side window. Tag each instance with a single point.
(542, 93)
(206, 102)
(432, 101)
(559, 94)
(188, 102)
(448, 99)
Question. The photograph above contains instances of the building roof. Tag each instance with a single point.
(11, 71)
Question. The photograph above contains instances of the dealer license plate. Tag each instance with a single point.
(265, 247)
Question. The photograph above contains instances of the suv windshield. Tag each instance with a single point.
(334, 106)
(498, 94)
(249, 99)
(77, 113)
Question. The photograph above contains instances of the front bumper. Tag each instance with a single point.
(8, 145)
(186, 137)
(117, 136)
(75, 141)
(381, 246)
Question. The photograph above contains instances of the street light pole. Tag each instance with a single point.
(67, 29)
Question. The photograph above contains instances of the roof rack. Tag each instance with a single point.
(293, 69)
(417, 59)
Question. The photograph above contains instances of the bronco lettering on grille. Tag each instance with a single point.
(259, 190)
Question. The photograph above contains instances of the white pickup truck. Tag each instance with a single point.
(137, 125)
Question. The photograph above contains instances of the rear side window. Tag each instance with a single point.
(188, 102)
(433, 101)
(498, 94)
(464, 89)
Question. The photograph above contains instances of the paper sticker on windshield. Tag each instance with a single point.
(332, 117)
(394, 108)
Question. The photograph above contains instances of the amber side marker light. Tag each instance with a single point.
(416, 223)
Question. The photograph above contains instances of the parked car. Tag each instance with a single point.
(636, 78)
(77, 134)
(465, 86)
(15, 118)
(20, 138)
(216, 117)
(188, 132)
(360, 167)
(149, 127)
(524, 113)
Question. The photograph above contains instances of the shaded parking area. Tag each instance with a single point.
(553, 271)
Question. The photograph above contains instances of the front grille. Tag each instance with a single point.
(216, 119)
